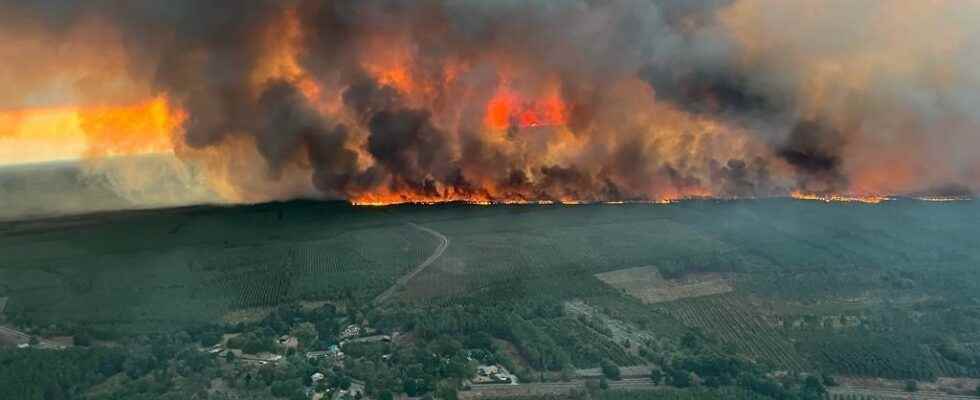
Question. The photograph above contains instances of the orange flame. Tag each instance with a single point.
(508, 108)
(96, 131)
(839, 198)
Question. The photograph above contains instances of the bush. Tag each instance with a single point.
(286, 388)
(657, 376)
(610, 370)
(911, 386)
(210, 339)
(82, 339)
(679, 378)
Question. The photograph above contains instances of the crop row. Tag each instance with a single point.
(735, 322)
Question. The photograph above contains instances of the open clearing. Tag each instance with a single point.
(646, 284)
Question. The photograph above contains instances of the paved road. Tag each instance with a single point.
(386, 295)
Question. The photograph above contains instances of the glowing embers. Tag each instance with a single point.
(394, 200)
(839, 197)
(944, 199)
(508, 108)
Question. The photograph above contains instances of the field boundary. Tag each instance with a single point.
(896, 394)
(647, 285)
(401, 282)
(489, 391)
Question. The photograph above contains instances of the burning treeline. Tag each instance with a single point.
(509, 101)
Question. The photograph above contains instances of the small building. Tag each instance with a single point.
(487, 370)
(332, 352)
(350, 331)
(317, 377)
(489, 374)
(287, 341)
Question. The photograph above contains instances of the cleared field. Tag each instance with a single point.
(646, 284)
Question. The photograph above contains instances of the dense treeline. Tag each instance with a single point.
(55, 375)
(545, 335)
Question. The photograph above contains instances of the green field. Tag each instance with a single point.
(869, 290)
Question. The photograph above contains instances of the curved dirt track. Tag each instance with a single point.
(400, 283)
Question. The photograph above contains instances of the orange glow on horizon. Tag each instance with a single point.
(59, 133)
(839, 198)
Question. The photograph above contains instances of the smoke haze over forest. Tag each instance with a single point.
(589, 100)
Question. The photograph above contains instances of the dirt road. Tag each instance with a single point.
(400, 283)
(14, 337)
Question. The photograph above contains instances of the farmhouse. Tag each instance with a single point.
(350, 331)
(487, 374)
(332, 352)
(260, 358)
(289, 342)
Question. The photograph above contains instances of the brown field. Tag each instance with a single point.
(646, 284)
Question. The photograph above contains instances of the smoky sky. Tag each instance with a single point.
(730, 98)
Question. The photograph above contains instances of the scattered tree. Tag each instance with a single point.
(680, 378)
(610, 370)
(828, 380)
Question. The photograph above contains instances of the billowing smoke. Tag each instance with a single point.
(578, 100)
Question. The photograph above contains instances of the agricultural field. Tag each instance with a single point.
(734, 321)
(646, 284)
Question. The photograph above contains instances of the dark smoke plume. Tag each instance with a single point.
(552, 100)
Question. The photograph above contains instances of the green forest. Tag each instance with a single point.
(229, 302)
